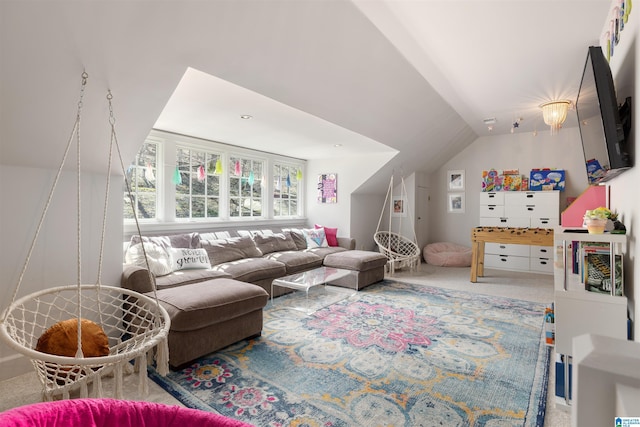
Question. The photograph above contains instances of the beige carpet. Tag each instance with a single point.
(25, 389)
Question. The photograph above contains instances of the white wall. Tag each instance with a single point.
(352, 172)
(522, 151)
(24, 192)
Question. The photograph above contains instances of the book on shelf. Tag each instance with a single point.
(596, 271)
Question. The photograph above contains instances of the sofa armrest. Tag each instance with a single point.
(136, 278)
(347, 242)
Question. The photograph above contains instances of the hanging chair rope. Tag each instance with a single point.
(134, 323)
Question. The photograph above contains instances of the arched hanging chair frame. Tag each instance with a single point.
(401, 252)
(134, 323)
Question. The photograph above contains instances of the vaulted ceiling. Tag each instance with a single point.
(410, 79)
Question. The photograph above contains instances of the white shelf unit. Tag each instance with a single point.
(523, 209)
(578, 311)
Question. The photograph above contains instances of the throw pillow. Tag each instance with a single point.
(159, 260)
(298, 237)
(315, 237)
(331, 233)
(183, 259)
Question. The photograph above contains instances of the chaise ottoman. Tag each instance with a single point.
(211, 315)
(369, 265)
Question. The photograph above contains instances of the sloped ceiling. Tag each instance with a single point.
(368, 74)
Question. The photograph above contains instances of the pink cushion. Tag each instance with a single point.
(447, 254)
(331, 235)
(111, 412)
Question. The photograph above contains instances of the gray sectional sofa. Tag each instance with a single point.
(215, 285)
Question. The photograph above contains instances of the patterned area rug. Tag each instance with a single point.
(394, 354)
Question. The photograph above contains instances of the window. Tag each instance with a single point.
(285, 190)
(141, 177)
(176, 178)
(197, 187)
(245, 187)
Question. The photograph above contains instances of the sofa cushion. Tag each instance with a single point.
(225, 250)
(274, 242)
(187, 277)
(210, 302)
(158, 258)
(253, 269)
(296, 261)
(356, 260)
(323, 252)
(298, 237)
(188, 240)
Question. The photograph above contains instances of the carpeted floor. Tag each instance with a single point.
(398, 353)
(20, 388)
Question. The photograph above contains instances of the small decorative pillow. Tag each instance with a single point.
(159, 260)
(316, 238)
(331, 233)
(61, 339)
(183, 259)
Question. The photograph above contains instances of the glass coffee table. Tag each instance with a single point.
(307, 280)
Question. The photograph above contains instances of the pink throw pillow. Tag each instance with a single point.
(331, 234)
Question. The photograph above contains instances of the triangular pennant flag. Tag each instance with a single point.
(238, 169)
(299, 175)
(177, 178)
(148, 173)
(288, 181)
(219, 166)
(201, 173)
(251, 178)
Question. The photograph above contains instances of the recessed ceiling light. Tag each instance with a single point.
(337, 145)
(246, 117)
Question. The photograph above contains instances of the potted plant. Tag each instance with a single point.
(596, 219)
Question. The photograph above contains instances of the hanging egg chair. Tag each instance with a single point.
(124, 325)
(401, 252)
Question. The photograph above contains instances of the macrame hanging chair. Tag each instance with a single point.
(135, 324)
(401, 252)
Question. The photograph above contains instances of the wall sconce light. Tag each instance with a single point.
(555, 113)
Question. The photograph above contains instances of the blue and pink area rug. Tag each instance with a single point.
(394, 354)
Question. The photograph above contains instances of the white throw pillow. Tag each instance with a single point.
(316, 238)
(159, 260)
(183, 259)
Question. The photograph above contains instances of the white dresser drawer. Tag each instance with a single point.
(544, 222)
(540, 198)
(542, 265)
(506, 249)
(532, 210)
(491, 198)
(541, 251)
(491, 211)
(508, 262)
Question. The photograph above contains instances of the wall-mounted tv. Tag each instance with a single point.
(604, 126)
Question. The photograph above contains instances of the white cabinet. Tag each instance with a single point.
(521, 209)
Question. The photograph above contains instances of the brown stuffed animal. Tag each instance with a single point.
(61, 339)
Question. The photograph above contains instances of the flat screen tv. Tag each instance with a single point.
(604, 126)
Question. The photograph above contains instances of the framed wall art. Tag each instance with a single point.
(328, 188)
(399, 206)
(455, 180)
(455, 202)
